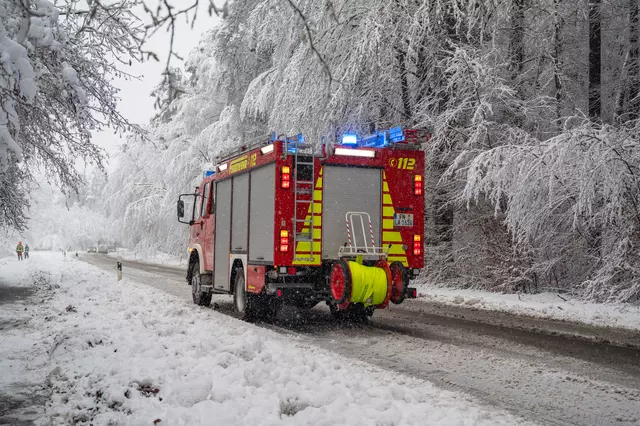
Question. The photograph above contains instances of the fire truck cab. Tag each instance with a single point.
(284, 221)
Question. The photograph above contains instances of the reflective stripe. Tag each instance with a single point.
(396, 249)
(387, 224)
(387, 211)
(391, 237)
(305, 246)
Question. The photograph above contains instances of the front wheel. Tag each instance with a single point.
(200, 298)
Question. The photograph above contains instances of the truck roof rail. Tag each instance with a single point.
(255, 143)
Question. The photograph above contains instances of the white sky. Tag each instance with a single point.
(136, 103)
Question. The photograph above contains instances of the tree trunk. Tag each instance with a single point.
(595, 39)
(557, 51)
(516, 45)
(401, 55)
(633, 74)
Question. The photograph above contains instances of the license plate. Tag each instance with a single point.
(403, 219)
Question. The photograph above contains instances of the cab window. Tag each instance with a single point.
(205, 199)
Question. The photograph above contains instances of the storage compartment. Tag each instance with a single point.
(262, 215)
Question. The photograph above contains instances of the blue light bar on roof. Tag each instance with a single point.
(209, 173)
(350, 139)
(377, 140)
(294, 141)
(396, 134)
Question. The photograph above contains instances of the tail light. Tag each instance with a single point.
(417, 244)
(284, 241)
(417, 185)
(285, 181)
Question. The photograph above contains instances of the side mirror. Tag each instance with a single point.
(180, 209)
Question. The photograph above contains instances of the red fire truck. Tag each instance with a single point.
(284, 221)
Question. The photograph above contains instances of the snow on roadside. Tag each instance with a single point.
(158, 258)
(120, 353)
(543, 305)
(22, 393)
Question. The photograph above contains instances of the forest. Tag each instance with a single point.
(533, 107)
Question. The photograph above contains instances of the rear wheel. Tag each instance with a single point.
(355, 313)
(306, 304)
(241, 300)
(200, 298)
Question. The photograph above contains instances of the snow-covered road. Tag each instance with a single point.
(545, 378)
(107, 353)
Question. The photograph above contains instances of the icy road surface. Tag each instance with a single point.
(545, 378)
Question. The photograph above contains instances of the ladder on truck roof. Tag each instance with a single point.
(303, 157)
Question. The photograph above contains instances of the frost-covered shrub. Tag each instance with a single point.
(575, 196)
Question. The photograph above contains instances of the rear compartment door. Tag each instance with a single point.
(349, 189)
(261, 218)
(222, 235)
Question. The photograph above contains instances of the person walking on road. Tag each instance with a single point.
(26, 251)
(20, 250)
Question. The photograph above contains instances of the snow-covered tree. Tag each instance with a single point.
(57, 64)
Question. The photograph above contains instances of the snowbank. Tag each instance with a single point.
(121, 353)
(158, 258)
(543, 305)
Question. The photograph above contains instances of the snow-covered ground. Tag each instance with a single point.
(158, 258)
(119, 353)
(543, 305)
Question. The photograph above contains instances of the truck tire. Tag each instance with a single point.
(200, 298)
(243, 302)
(354, 313)
(306, 304)
(270, 307)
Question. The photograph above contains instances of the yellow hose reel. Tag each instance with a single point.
(352, 282)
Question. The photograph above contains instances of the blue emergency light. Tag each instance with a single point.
(349, 139)
(379, 139)
(294, 141)
(396, 134)
(209, 173)
(376, 140)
